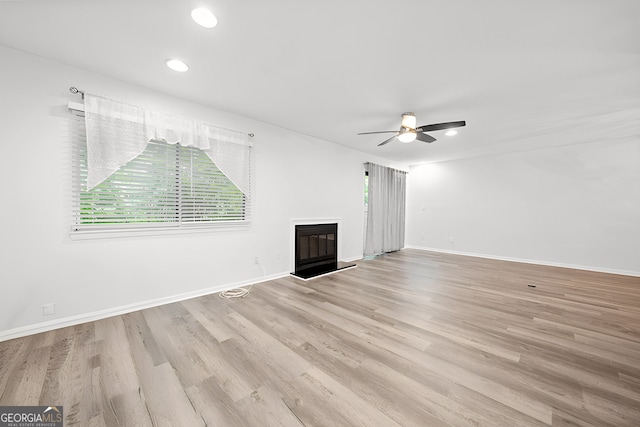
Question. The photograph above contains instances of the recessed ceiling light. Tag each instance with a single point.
(204, 17)
(451, 132)
(177, 65)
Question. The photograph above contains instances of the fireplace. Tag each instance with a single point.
(316, 250)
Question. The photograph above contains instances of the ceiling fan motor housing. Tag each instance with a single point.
(408, 121)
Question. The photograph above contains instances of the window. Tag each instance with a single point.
(386, 204)
(166, 186)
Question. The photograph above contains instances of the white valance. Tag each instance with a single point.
(117, 133)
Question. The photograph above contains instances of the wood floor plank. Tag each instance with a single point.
(412, 338)
(214, 405)
(71, 367)
(118, 382)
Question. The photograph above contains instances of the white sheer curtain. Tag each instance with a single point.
(386, 210)
(118, 132)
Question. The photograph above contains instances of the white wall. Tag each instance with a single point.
(574, 206)
(296, 177)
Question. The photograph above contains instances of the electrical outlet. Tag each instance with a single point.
(451, 239)
(256, 261)
(277, 254)
(48, 309)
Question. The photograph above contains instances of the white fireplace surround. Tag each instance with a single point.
(310, 221)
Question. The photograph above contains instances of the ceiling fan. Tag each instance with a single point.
(409, 132)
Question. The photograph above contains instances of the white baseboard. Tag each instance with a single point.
(529, 261)
(351, 259)
(124, 309)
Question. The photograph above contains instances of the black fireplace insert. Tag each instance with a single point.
(316, 250)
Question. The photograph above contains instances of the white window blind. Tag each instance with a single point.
(165, 186)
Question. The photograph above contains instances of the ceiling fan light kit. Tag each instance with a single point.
(407, 128)
(409, 132)
(407, 135)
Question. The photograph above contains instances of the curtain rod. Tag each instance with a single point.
(74, 90)
(365, 164)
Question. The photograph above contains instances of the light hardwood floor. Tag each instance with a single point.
(411, 338)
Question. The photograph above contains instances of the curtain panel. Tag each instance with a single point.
(386, 210)
(117, 133)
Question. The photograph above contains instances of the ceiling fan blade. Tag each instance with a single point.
(424, 137)
(382, 131)
(441, 126)
(386, 141)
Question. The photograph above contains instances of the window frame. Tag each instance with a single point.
(84, 231)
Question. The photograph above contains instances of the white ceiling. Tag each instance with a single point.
(523, 74)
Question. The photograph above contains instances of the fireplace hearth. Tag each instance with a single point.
(316, 250)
